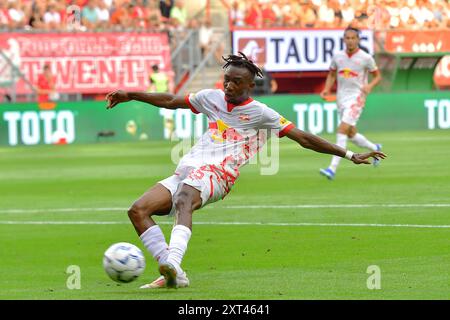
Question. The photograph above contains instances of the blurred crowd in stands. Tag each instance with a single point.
(92, 15)
(375, 14)
(167, 15)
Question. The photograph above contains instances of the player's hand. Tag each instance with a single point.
(359, 158)
(115, 98)
(366, 89)
(324, 94)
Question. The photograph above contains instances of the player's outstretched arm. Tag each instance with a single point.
(331, 78)
(316, 143)
(161, 100)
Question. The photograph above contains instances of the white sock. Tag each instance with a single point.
(156, 244)
(341, 140)
(178, 245)
(362, 141)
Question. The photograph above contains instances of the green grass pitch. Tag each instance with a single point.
(65, 205)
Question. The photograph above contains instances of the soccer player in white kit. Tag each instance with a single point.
(351, 68)
(238, 127)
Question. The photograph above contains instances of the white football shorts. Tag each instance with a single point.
(351, 110)
(213, 182)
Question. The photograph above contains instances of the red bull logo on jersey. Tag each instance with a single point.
(347, 73)
(221, 132)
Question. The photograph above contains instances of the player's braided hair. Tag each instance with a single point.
(241, 60)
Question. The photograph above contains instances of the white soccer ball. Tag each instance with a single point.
(123, 262)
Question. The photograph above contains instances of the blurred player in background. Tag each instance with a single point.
(351, 68)
(159, 82)
(46, 86)
(238, 128)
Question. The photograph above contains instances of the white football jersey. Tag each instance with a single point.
(352, 74)
(234, 132)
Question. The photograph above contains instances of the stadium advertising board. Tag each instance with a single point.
(417, 41)
(70, 122)
(294, 50)
(87, 62)
(423, 42)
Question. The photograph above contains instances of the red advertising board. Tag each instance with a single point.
(423, 41)
(88, 62)
(417, 41)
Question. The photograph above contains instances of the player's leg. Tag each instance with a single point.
(186, 200)
(341, 140)
(361, 141)
(156, 201)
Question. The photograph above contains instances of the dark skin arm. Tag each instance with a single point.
(160, 100)
(313, 142)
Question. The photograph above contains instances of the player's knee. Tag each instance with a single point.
(351, 132)
(137, 212)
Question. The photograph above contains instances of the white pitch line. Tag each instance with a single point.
(271, 224)
(294, 206)
(332, 206)
(60, 210)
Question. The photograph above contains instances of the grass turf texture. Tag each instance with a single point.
(232, 261)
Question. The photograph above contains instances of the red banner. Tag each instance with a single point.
(423, 41)
(88, 62)
(417, 41)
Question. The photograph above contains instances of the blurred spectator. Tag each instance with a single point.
(52, 18)
(165, 6)
(288, 16)
(404, 13)
(361, 18)
(153, 15)
(236, 15)
(334, 4)
(89, 15)
(253, 18)
(205, 34)
(16, 15)
(178, 14)
(4, 15)
(121, 19)
(394, 14)
(36, 20)
(46, 85)
(308, 15)
(269, 19)
(325, 16)
(139, 15)
(103, 15)
(378, 17)
(348, 14)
